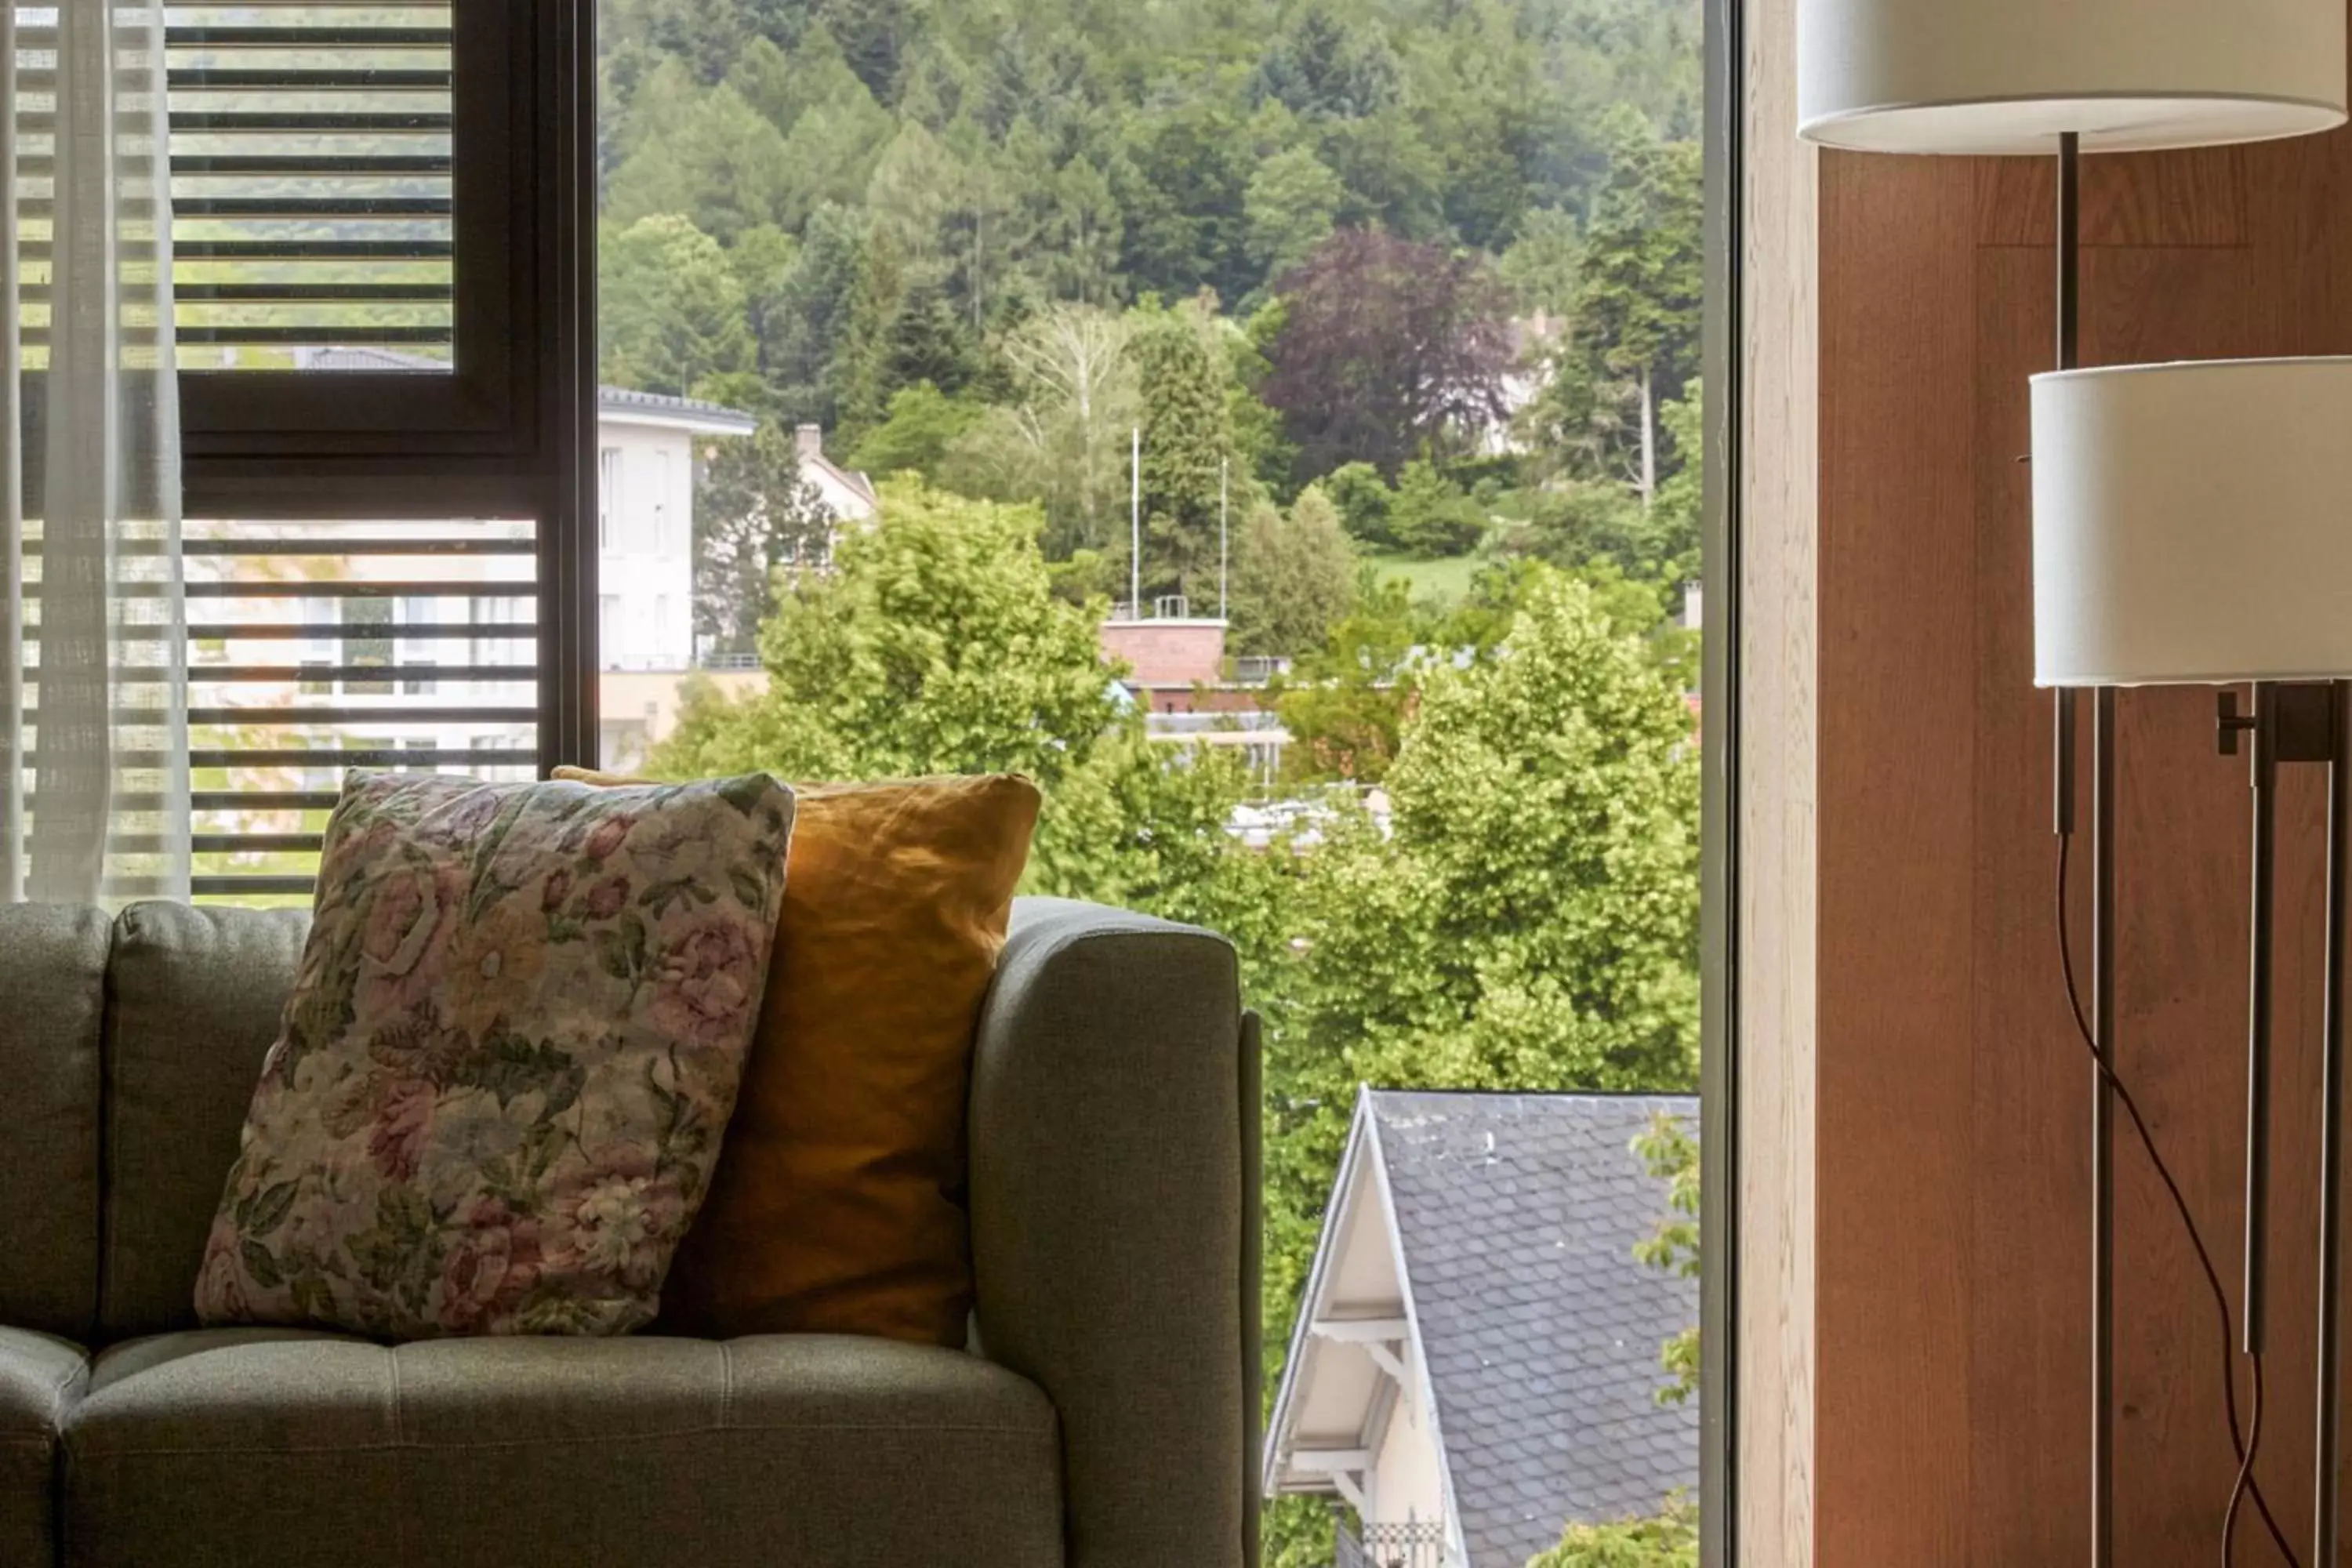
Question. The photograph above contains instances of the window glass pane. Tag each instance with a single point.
(1275, 429)
(317, 646)
(312, 185)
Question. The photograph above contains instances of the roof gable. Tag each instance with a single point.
(1517, 1216)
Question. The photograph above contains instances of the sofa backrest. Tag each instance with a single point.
(52, 1015)
(193, 1002)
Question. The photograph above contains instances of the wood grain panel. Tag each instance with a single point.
(2028, 1114)
(2196, 197)
(1897, 754)
(1779, 550)
(1951, 1156)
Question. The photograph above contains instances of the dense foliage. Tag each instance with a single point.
(1451, 248)
(1669, 1541)
(1527, 920)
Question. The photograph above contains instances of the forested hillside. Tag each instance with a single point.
(1440, 255)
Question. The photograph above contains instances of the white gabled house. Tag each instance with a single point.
(846, 493)
(1476, 1358)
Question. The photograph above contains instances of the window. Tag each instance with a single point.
(1360, 342)
(661, 543)
(313, 187)
(608, 494)
(368, 644)
(385, 400)
(271, 736)
(342, 178)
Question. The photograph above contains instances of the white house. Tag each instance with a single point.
(847, 494)
(1475, 1362)
(649, 446)
(646, 449)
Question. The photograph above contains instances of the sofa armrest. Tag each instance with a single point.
(1110, 1144)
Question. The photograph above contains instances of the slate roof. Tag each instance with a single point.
(1519, 1216)
(621, 399)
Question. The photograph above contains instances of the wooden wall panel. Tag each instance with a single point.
(1777, 872)
(1951, 1159)
(1897, 749)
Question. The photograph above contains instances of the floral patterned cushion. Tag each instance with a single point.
(510, 1052)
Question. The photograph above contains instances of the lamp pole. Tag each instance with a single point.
(2327, 1477)
(1134, 521)
(2102, 923)
(2299, 721)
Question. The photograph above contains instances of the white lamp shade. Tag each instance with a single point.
(2010, 76)
(2193, 523)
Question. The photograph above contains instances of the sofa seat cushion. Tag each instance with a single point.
(305, 1450)
(41, 1379)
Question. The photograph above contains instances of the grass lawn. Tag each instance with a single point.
(1446, 578)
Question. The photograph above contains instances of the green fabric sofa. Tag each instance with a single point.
(1107, 1423)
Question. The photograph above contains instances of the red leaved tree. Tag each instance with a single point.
(1388, 349)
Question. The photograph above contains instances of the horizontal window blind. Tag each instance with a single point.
(312, 164)
(321, 222)
(315, 648)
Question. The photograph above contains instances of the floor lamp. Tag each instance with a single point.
(2064, 77)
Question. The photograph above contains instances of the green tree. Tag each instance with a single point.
(672, 314)
(1431, 516)
(1578, 522)
(902, 661)
(1529, 919)
(1294, 576)
(1669, 1541)
(803, 325)
(917, 188)
(1637, 308)
(753, 517)
(838, 129)
(1180, 173)
(1291, 204)
(1344, 703)
(1364, 501)
(1187, 444)
(923, 426)
(1076, 236)
(1675, 516)
(1543, 266)
(901, 330)
(723, 165)
(937, 645)
(764, 261)
(1671, 1155)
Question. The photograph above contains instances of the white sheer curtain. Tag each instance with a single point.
(93, 676)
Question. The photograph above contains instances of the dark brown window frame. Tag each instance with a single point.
(511, 433)
(483, 404)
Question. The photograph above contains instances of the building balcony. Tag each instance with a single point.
(1415, 1545)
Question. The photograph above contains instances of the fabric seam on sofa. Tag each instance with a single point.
(421, 1445)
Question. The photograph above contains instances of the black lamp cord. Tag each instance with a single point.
(2245, 1443)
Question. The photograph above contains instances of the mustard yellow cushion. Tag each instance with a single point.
(837, 1204)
